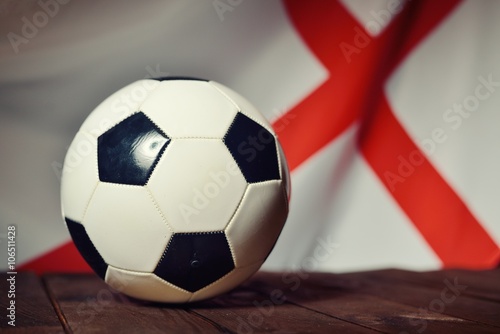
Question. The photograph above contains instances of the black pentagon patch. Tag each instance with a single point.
(128, 152)
(253, 148)
(192, 261)
(86, 247)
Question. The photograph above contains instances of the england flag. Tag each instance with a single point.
(388, 112)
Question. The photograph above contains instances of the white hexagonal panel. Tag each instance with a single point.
(80, 176)
(145, 286)
(257, 224)
(126, 227)
(197, 185)
(189, 108)
(243, 105)
(285, 172)
(118, 106)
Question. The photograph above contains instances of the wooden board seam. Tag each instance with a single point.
(55, 305)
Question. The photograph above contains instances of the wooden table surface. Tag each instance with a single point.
(388, 301)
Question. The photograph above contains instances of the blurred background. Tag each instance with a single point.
(388, 112)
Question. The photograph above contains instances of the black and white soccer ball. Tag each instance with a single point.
(175, 189)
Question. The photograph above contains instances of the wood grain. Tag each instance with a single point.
(88, 305)
(387, 301)
(376, 305)
(34, 312)
(483, 284)
(444, 293)
(247, 311)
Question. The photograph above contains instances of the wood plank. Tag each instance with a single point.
(443, 296)
(247, 311)
(350, 299)
(88, 305)
(484, 284)
(34, 312)
(234, 312)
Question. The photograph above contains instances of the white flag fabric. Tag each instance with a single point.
(388, 113)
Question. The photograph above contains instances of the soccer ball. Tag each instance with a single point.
(175, 189)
